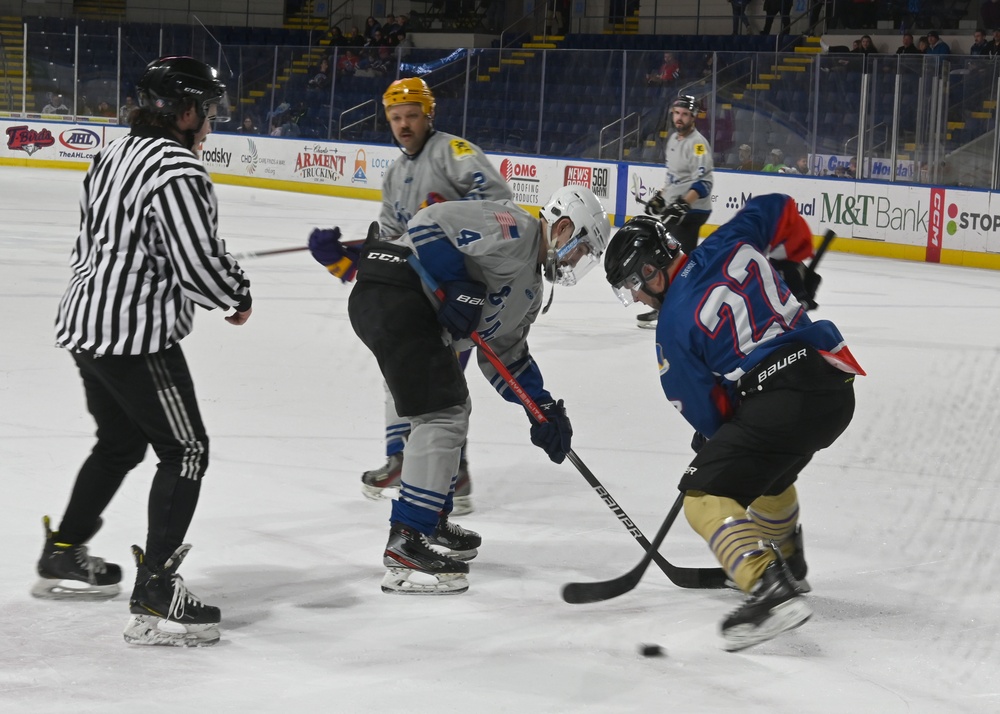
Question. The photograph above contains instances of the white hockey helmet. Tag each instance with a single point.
(591, 231)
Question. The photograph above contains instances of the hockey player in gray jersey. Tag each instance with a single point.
(434, 167)
(685, 201)
(488, 258)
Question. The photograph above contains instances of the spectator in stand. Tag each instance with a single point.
(746, 159)
(989, 11)
(993, 48)
(740, 15)
(849, 172)
(404, 43)
(936, 46)
(249, 126)
(355, 38)
(668, 73)
(348, 64)
(105, 110)
(801, 166)
(979, 43)
(771, 9)
(923, 45)
(907, 48)
(125, 111)
(371, 26)
(866, 46)
(390, 26)
(776, 162)
(337, 38)
(56, 105)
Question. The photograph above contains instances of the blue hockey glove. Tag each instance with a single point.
(462, 307)
(555, 435)
(341, 259)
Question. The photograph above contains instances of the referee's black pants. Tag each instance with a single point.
(138, 401)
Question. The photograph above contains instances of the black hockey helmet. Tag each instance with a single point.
(169, 80)
(685, 101)
(638, 250)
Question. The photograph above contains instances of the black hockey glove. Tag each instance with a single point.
(803, 283)
(698, 441)
(655, 205)
(555, 435)
(675, 212)
(462, 307)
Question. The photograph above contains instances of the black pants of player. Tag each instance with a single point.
(140, 401)
(686, 232)
(774, 434)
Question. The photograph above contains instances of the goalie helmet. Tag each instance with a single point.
(640, 249)
(685, 101)
(411, 90)
(591, 228)
(168, 81)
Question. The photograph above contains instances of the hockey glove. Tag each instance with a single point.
(675, 212)
(802, 282)
(655, 205)
(698, 441)
(432, 198)
(462, 307)
(555, 435)
(341, 259)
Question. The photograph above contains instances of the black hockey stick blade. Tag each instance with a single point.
(579, 593)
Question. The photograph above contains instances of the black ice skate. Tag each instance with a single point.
(647, 320)
(67, 572)
(383, 482)
(164, 611)
(459, 543)
(415, 568)
(774, 606)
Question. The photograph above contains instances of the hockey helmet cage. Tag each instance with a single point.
(169, 80)
(685, 101)
(591, 229)
(411, 90)
(639, 249)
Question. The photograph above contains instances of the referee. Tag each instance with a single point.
(148, 252)
(685, 201)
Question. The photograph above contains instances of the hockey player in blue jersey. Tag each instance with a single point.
(763, 385)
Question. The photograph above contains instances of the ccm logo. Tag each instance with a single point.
(385, 257)
(471, 300)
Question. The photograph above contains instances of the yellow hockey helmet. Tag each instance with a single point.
(411, 90)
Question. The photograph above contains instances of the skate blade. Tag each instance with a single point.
(647, 325)
(376, 493)
(803, 586)
(152, 630)
(784, 617)
(404, 581)
(461, 505)
(47, 589)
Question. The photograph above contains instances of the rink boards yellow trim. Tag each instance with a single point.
(856, 246)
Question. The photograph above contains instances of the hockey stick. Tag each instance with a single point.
(682, 577)
(579, 593)
(635, 190)
(263, 253)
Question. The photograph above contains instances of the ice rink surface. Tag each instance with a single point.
(900, 516)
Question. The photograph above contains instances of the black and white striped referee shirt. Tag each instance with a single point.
(147, 252)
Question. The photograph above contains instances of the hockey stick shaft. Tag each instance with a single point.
(264, 253)
(682, 577)
(579, 593)
(828, 238)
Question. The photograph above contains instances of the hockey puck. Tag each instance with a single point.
(651, 650)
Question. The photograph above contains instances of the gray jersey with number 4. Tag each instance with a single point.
(448, 168)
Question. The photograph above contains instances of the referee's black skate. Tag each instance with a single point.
(164, 611)
(460, 543)
(415, 568)
(68, 572)
(774, 606)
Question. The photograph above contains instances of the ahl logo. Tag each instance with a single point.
(21, 138)
(522, 172)
(80, 139)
